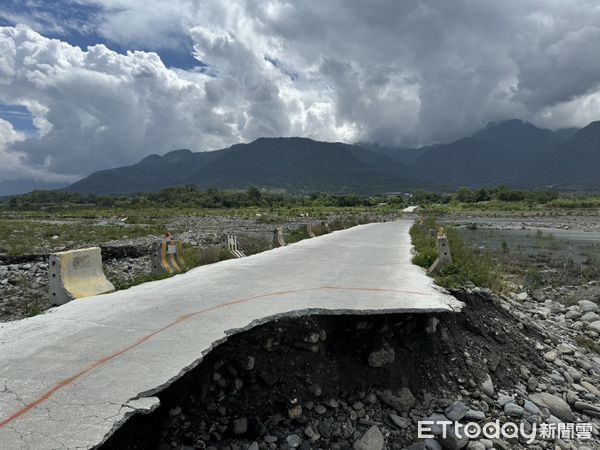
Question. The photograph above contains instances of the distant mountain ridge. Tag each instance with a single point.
(291, 164)
(513, 152)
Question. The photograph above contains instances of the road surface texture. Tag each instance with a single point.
(70, 377)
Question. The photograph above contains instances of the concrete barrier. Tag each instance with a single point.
(278, 238)
(232, 246)
(167, 257)
(444, 258)
(77, 274)
(411, 212)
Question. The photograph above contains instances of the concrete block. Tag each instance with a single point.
(233, 248)
(444, 258)
(278, 238)
(77, 274)
(167, 257)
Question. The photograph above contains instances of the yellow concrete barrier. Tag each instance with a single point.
(77, 274)
(167, 257)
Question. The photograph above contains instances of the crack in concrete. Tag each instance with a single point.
(6, 390)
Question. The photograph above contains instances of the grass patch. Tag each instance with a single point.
(468, 265)
(19, 237)
(121, 284)
(296, 235)
(195, 257)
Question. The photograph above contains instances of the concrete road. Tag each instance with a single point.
(70, 377)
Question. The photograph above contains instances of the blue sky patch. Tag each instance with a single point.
(19, 116)
(75, 24)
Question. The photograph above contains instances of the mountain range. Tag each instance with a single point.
(512, 152)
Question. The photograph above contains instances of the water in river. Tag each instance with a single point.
(578, 245)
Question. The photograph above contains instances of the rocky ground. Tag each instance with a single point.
(524, 222)
(326, 382)
(24, 278)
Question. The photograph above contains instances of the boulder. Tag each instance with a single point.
(556, 405)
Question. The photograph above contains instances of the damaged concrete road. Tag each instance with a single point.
(72, 376)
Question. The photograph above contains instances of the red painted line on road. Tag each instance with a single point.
(67, 381)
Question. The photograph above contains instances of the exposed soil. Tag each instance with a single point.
(314, 376)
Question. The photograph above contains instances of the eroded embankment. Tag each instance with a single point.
(323, 381)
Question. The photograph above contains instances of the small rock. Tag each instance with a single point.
(240, 425)
(382, 357)
(511, 409)
(357, 406)
(247, 362)
(590, 317)
(315, 390)
(452, 441)
(474, 415)
(565, 349)
(571, 315)
(295, 411)
(400, 422)
(293, 440)
(371, 440)
(595, 326)
(591, 388)
(402, 403)
(487, 443)
(456, 411)
(532, 384)
(504, 399)
(531, 408)
(475, 445)
(487, 386)
(588, 306)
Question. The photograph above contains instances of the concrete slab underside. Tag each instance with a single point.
(70, 377)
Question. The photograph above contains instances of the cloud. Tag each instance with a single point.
(15, 163)
(395, 73)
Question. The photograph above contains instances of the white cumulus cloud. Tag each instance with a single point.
(395, 73)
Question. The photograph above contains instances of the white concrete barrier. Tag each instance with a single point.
(444, 258)
(167, 257)
(278, 238)
(76, 274)
(233, 248)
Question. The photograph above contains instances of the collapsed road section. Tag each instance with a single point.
(72, 377)
(335, 382)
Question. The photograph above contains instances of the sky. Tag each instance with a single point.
(93, 84)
